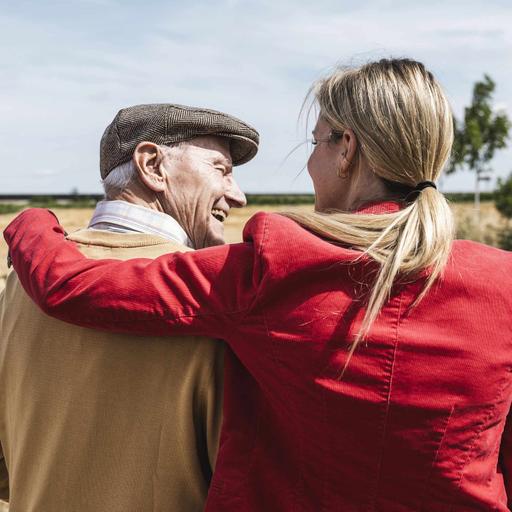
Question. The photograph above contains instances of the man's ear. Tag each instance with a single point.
(148, 158)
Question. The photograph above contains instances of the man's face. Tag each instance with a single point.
(201, 188)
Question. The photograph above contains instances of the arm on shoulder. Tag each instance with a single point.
(196, 293)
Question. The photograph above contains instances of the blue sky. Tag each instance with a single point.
(69, 66)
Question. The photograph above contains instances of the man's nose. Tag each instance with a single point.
(235, 197)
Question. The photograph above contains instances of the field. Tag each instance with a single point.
(73, 219)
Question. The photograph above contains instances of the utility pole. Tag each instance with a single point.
(479, 177)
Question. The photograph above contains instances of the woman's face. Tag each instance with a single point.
(323, 164)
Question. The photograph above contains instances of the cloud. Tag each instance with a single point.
(70, 66)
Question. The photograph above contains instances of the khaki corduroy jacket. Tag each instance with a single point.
(94, 421)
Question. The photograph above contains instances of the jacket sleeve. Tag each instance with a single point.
(198, 293)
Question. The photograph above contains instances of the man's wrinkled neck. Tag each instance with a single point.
(140, 196)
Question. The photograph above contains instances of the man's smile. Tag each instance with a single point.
(219, 214)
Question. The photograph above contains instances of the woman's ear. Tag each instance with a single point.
(349, 146)
(148, 158)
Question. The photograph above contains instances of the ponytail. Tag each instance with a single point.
(403, 124)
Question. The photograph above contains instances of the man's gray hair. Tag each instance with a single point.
(119, 178)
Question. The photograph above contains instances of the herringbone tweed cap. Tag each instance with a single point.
(169, 124)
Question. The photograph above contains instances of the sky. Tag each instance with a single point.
(68, 66)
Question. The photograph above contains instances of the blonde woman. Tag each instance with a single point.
(374, 354)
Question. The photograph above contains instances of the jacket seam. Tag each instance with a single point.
(471, 450)
(434, 460)
(388, 405)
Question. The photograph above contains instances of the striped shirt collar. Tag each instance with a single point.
(124, 217)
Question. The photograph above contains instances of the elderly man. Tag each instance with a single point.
(95, 421)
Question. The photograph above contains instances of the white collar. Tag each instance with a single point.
(122, 216)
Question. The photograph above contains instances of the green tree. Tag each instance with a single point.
(503, 201)
(477, 138)
(503, 197)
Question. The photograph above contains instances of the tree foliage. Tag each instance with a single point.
(503, 197)
(503, 202)
(482, 132)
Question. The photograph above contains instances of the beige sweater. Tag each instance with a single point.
(91, 421)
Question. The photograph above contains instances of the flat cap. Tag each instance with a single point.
(165, 124)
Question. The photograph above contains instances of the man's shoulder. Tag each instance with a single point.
(262, 224)
(278, 237)
(98, 244)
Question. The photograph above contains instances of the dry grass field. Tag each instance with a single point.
(73, 219)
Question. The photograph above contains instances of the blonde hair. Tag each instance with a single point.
(403, 125)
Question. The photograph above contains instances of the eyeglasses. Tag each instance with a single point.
(333, 136)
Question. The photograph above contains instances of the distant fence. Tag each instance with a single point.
(10, 203)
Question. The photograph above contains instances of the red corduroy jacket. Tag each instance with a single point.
(419, 420)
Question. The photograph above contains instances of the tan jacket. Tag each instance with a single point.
(91, 421)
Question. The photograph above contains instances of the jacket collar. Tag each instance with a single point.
(379, 207)
(123, 240)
